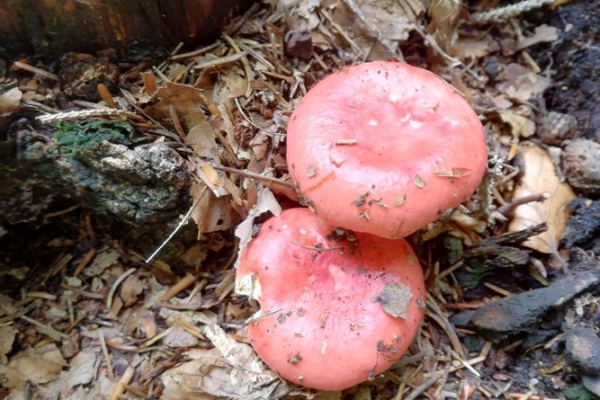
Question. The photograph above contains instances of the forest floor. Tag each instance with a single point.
(513, 277)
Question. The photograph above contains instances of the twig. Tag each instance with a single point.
(183, 221)
(315, 248)
(85, 114)
(252, 175)
(220, 61)
(122, 384)
(37, 71)
(425, 385)
(431, 41)
(245, 62)
(115, 285)
(181, 285)
(109, 368)
(195, 52)
(46, 329)
(502, 13)
(239, 107)
(532, 198)
(435, 313)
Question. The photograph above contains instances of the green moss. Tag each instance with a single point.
(73, 137)
(578, 392)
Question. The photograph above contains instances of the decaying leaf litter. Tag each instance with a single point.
(106, 323)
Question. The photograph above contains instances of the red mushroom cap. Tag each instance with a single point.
(336, 308)
(384, 148)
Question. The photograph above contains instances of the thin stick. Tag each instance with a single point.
(305, 246)
(115, 285)
(239, 107)
(532, 198)
(252, 175)
(109, 368)
(183, 222)
(37, 71)
(122, 384)
(181, 285)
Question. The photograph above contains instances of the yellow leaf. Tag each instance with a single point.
(539, 177)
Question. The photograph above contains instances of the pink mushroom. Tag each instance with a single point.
(384, 148)
(337, 308)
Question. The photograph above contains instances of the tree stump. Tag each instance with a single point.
(53, 27)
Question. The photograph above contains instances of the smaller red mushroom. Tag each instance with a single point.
(384, 148)
(337, 308)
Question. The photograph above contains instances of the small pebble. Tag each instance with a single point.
(583, 350)
(581, 165)
(557, 127)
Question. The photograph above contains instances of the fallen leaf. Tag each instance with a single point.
(131, 288)
(394, 299)
(266, 203)
(523, 84)
(201, 139)
(38, 366)
(178, 337)
(7, 338)
(543, 33)
(101, 262)
(81, 371)
(185, 99)
(470, 49)
(444, 16)
(211, 213)
(231, 370)
(521, 127)
(539, 176)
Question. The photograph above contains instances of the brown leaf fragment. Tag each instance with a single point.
(395, 299)
(202, 140)
(7, 337)
(539, 177)
(400, 200)
(418, 181)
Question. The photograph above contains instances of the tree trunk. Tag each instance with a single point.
(51, 27)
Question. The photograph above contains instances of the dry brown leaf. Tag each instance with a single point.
(231, 370)
(178, 337)
(185, 99)
(211, 213)
(7, 338)
(543, 33)
(444, 16)
(201, 139)
(469, 49)
(523, 84)
(81, 371)
(521, 127)
(131, 288)
(234, 85)
(38, 366)
(101, 262)
(539, 177)
(266, 202)
(389, 17)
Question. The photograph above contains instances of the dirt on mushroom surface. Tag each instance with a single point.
(82, 314)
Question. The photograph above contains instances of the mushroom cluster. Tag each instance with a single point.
(377, 150)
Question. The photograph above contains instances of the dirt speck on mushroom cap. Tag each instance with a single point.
(322, 316)
(408, 131)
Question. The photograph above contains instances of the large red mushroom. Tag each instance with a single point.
(337, 308)
(384, 148)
